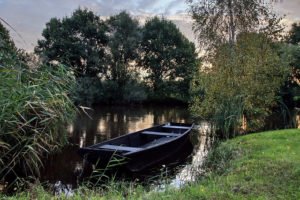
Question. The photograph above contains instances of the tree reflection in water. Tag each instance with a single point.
(102, 123)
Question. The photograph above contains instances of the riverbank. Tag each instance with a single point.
(264, 165)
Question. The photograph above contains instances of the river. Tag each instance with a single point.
(105, 122)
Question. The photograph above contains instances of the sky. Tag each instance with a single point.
(28, 17)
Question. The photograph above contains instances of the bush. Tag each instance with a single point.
(91, 91)
(241, 84)
(134, 92)
(88, 91)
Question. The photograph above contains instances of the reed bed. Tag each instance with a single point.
(35, 108)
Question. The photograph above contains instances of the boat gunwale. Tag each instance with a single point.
(127, 153)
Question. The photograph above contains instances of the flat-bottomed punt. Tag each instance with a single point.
(141, 149)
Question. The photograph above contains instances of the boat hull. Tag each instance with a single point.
(142, 155)
(156, 156)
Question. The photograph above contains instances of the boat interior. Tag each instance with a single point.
(145, 138)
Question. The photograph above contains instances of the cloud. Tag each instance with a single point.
(290, 8)
(176, 6)
(29, 17)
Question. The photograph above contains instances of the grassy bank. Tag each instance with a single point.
(266, 166)
(257, 166)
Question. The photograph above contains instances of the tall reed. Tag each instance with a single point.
(227, 117)
(35, 108)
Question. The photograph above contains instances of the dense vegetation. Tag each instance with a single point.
(243, 82)
(117, 60)
(169, 59)
(35, 108)
(291, 89)
(243, 79)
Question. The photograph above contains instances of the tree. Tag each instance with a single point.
(240, 84)
(78, 41)
(167, 56)
(290, 92)
(8, 50)
(293, 39)
(5, 41)
(291, 51)
(220, 21)
(124, 41)
(243, 78)
(293, 36)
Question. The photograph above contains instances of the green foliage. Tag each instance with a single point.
(87, 91)
(293, 36)
(123, 43)
(78, 41)
(112, 50)
(221, 21)
(90, 90)
(5, 41)
(9, 54)
(243, 80)
(135, 91)
(34, 111)
(290, 92)
(167, 56)
(246, 73)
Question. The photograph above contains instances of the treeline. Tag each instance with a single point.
(119, 61)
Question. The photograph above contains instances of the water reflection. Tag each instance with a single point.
(192, 170)
(100, 124)
(112, 121)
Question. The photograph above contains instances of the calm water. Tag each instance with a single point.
(102, 123)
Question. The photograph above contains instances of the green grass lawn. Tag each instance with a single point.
(267, 166)
(257, 166)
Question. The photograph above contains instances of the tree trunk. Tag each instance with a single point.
(231, 28)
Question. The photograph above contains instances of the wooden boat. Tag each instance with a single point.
(141, 149)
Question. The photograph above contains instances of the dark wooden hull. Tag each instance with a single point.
(142, 160)
(151, 149)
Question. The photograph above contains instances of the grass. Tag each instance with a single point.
(266, 166)
(258, 166)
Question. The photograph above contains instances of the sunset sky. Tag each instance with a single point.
(28, 17)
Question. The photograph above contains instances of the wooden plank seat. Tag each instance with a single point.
(120, 148)
(177, 127)
(157, 142)
(160, 133)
